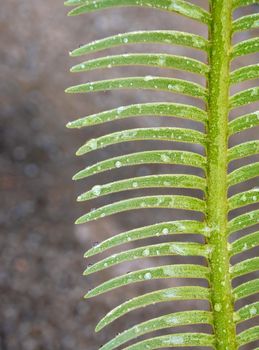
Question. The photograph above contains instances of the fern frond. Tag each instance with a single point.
(223, 251)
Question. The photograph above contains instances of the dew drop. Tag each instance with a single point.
(96, 190)
(147, 276)
(253, 311)
(148, 77)
(217, 307)
(146, 252)
(118, 164)
(165, 231)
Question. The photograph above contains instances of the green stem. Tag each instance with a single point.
(217, 211)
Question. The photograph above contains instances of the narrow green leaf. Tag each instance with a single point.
(160, 201)
(179, 6)
(156, 230)
(159, 296)
(246, 289)
(158, 109)
(246, 172)
(148, 251)
(150, 181)
(243, 221)
(244, 149)
(148, 157)
(245, 267)
(158, 134)
(243, 123)
(152, 60)
(153, 273)
(246, 47)
(243, 3)
(244, 97)
(167, 321)
(175, 340)
(244, 198)
(178, 86)
(245, 243)
(246, 23)
(248, 336)
(244, 74)
(247, 312)
(168, 37)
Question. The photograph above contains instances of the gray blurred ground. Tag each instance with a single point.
(41, 262)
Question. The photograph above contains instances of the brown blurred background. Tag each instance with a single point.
(41, 263)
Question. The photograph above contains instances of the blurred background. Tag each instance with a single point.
(41, 262)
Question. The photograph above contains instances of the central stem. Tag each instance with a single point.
(217, 212)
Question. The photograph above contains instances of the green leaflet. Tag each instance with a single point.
(177, 202)
(246, 23)
(245, 243)
(156, 250)
(241, 3)
(245, 73)
(246, 289)
(180, 6)
(247, 312)
(160, 296)
(148, 109)
(168, 37)
(159, 181)
(168, 271)
(152, 60)
(243, 174)
(243, 221)
(167, 321)
(245, 267)
(244, 98)
(245, 47)
(175, 340)
(248, 336)
(149, 82)
(156, 230)
(213, 200)
(243, 150)
(148, 157)
(158, 134)
(243, 198)
(243, 123)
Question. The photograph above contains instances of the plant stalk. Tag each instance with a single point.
(217, 210)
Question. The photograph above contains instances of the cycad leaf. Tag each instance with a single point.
(202, 185)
